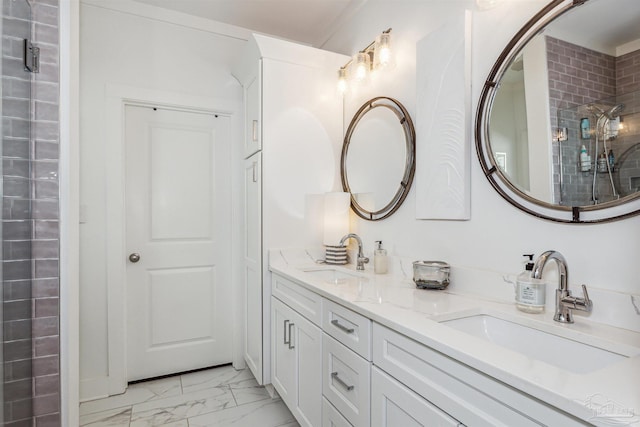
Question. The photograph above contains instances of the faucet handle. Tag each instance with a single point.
(588, 304)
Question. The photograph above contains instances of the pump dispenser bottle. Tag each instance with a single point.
(380, 263)
(530, 292)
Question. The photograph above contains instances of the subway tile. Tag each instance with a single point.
(47, 365)
(16, 250)
(43, 288)
(13, 186)
(16, 88)
(46, 307)
(18, 28)
(48, 73)
(21, 410)
(49, 384)
(46, 91)
(46, 150)
(49, 420)
(16, 168)
(46, 229)
(45, 169)
(17, 9)
(46, 33)
(45, 209)
(12, 107)
(46, 189)
(17, 290)
(45, 326)
(46, 268)
(49, 54)
(13, 67)
(46, 111)
(16, 270)
(46, 404)
(16, 310)
(47, 346)
(17, 329)
(48, 131)
(18, 370)
(17, 350)
(19, 389)
(45, 249)
(15, 148)
(16, 209)
(45, 14)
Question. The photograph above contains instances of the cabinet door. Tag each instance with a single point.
(253, 131)
(393, 404)
(331, 417)
(253, 265)
(283, 352)
(308, 346)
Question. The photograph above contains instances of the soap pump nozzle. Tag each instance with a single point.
(529, 265)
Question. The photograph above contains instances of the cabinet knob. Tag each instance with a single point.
(134, 257)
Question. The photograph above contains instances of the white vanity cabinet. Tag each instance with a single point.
(296, 346)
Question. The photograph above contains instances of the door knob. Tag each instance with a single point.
(134, 257)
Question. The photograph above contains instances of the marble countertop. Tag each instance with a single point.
(606, 396)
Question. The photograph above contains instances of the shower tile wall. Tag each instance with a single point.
(30, 219)
(576, 76)
(628, 73)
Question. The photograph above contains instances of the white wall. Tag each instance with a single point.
(120, 48)
(601, 256)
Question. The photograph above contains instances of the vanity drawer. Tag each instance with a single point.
(393, 404)
(348, 327)
(346, 381)
(302, 300)
(331, 417)
(469, 395)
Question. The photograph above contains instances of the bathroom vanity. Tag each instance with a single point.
(358, 349)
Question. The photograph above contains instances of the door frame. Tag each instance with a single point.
(117, 97)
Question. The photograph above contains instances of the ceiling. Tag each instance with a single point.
(307, 21)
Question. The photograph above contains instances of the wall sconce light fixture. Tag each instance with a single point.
(375, 56)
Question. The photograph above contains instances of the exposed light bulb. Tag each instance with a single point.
(383, 50)
(342, 80)
(362, 66)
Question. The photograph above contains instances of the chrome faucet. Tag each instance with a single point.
(362, 260)
(564, 301)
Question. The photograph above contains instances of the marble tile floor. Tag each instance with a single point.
(216, 397)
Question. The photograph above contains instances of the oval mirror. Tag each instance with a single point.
(378, 158)
(558, 123)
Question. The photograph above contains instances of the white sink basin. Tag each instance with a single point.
(334, 276)
(553, 349)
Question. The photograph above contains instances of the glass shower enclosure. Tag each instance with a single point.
(601, 153)
(16, 226)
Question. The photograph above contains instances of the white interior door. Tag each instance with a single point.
(178, 215)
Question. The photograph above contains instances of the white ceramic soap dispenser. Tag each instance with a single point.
(530, 292)
(380, 264)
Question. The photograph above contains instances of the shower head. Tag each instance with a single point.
(594, 109)
(615, 111)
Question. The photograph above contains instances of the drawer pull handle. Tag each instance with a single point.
(291, 346)
(342, 327)
(285, 333)
(339, 380)
(254, 131)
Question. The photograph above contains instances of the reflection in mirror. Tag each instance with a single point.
(563, 123)
(378, 158)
